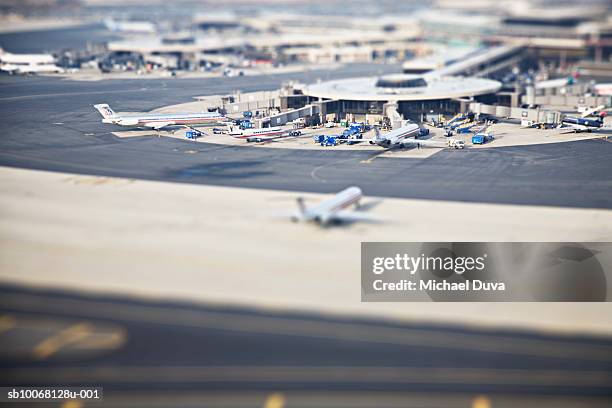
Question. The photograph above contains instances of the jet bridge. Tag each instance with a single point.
(483, 63)
(318, 108)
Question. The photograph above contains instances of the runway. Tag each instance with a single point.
(40, 41)
(49, 124)
(170, 347)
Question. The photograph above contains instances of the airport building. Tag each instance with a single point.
(414, 97)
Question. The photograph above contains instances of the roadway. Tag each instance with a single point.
(49, 124)
(143, 349)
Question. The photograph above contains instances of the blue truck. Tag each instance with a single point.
(326, 140)
(193, 134)
(352, 131)
(358, 126)
(246, 124)
(482, 135)
(330, 141)
(481, 138)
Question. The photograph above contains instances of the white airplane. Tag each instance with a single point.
(138, 27)
(31, 68)
(334, 209)
(27, 63)
(401, 137)
(158, 121)
(256, 135)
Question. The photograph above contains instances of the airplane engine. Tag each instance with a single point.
(322, 219)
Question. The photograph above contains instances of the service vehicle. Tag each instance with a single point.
(423, 132)
(193, 134)
(456, 144)
(481, 138)
(330, 141)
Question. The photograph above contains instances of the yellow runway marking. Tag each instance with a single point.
(481, 402)
(72, 404)
(276, 400)
(6, 323)
(70, 335)
(109, 341)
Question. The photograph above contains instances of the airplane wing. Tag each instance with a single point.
(198, 132)
(158, 125)
(351, 216)
(572, 128)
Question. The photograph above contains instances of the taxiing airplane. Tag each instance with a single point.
(158, 121)
(334, 209)
(578, 125)
(401, 137)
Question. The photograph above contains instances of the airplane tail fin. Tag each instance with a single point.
(602, 115)
(301, 205)
(105, 110)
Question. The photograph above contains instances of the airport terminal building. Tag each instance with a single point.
(414, 97)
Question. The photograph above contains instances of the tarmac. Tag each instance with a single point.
(44, 35)
(148, 353)
(95, 74)
(237, 246)
(124, 250)
(49, 124)
(202, 295)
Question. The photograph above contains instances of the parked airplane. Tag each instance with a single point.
(333, 209)
(401, 137)
(31, 69)
(256, 135)
(159, 121)
(137, 27)
(27, 63)
(578, 125)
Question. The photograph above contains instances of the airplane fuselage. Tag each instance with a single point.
(151, 120)
(263, 132)
(325, 210)
(395, 137)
